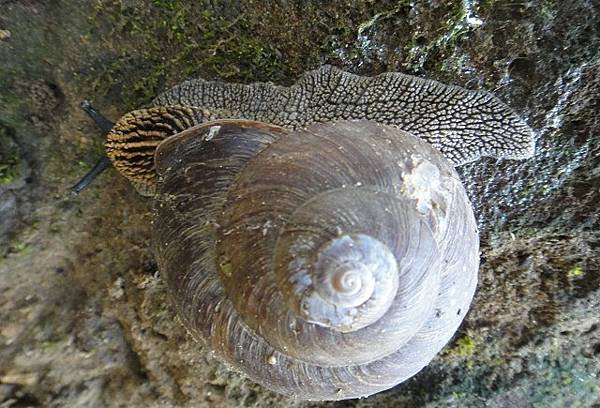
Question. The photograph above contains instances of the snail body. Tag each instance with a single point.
(317, 237)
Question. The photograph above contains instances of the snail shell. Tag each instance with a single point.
(326, 263)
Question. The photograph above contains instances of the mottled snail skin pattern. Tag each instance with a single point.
(311, 245)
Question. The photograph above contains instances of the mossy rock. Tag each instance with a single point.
(12, 166)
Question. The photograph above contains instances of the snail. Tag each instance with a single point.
(316, 237)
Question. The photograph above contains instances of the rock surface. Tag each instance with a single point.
(84, 318)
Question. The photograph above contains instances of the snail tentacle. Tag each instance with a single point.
(104, 162)
(103, 123)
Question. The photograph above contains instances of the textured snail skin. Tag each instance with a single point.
(247, 216)
(462, 124)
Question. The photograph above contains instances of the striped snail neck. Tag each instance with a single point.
(132, 142)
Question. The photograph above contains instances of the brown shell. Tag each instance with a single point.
(326, 263)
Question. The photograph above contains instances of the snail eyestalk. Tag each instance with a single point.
(104, 124)
(85, 181)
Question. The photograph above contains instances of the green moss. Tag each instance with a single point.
(148, 47)
(22, 247)
(8, 170)
(10, 103)
(52, 345)
(435, 47)
(83, 166)
(225, 265)
(463, 347)
(575, 272)
(167, 41)
(486, 5)
(11, 166)
(548, 9)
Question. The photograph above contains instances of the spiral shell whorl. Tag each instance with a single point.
(348, 272)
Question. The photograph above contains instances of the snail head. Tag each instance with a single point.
(131, 141)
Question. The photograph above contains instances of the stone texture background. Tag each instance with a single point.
(84, 319)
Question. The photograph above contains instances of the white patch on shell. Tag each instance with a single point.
(212, 132)
(422, 183)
